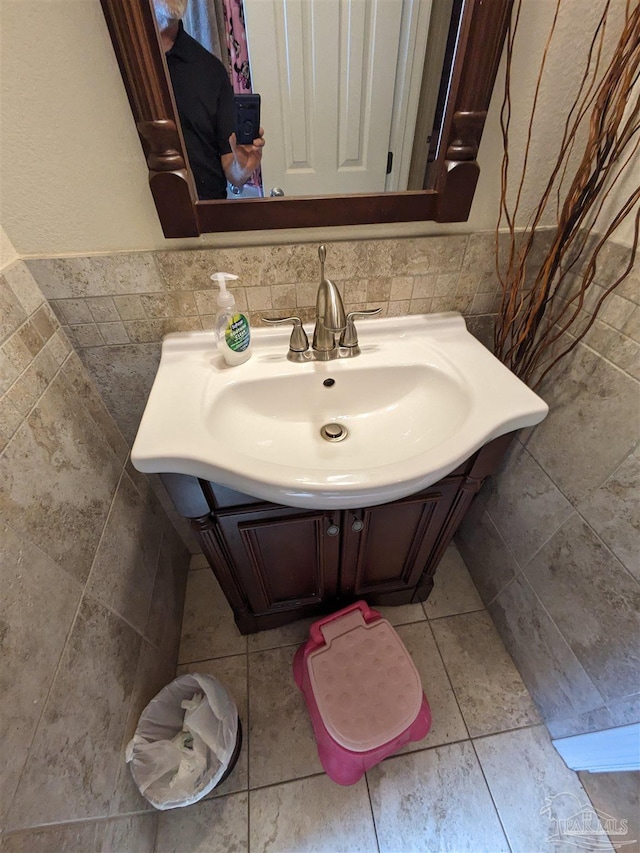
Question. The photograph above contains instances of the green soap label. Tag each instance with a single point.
(237, 334)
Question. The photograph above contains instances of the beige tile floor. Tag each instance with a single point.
(486, 778)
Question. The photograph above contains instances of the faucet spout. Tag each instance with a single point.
(330, 320)
(329, 307)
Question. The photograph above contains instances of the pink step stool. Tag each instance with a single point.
(362, 690)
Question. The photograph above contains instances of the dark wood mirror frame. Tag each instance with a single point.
(450, 180)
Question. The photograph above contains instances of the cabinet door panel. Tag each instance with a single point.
(393, 548)
(283, 557)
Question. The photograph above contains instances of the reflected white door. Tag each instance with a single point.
(325, 70)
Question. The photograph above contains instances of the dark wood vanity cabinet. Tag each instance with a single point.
(284, 558)
(277, 564)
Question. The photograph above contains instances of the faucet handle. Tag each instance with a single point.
(299, 342)
(349, 337)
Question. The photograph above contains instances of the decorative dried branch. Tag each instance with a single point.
(540, 322)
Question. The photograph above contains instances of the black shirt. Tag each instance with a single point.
(204, 98)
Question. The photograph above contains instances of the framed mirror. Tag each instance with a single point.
(475, 35)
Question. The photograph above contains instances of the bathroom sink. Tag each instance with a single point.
(390, 412)
(421, 398)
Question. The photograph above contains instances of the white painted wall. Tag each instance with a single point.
(627, 184)
(72, 171)
(564, 68)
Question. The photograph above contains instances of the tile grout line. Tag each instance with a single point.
(297, 642)
(285, 782)
(515, 728)
(606, 357)
(85, 594)
(163, 536)
(28, 318)
(115, 613)
(544, 609)
(507, 731)
(607, 547)
(95, 389)
(394, 757)
(135, 342)
(461, 613)
(373, 817)
(603, 482)
(27, 415)
(23, 536)
(59, 373)
(446, 672)
(575, 511)
(522, 566)
(517, 574)
(507, 547)
(495, 805)
(156, 833)
(44, 706)
(102, 532)
(248, 809)
(144, 639)
(64, 647)
(96, 821)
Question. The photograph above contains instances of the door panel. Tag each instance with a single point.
(393, 548)
(283, 557)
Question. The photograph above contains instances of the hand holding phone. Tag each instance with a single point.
(247, 118)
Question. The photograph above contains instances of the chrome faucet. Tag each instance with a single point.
(330, 319)
(330, 322)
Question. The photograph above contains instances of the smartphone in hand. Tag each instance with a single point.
(247, 118)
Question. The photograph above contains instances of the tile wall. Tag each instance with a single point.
(553, 541)
(92, 576)
(552, 544)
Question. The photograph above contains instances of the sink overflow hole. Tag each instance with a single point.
(334, 432)
(329, 382)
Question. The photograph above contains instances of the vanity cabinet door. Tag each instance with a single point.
(386, 549)
(284, 558)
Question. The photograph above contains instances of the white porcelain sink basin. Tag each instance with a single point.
(420, 399)
(391, 412)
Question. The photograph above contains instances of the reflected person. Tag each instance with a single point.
(204, 98)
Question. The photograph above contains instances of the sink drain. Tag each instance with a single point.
(334, 432)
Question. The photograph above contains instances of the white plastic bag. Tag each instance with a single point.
(184, 742)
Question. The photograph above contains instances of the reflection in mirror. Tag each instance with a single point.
(205, 103)
(348, 90)
(474, 42)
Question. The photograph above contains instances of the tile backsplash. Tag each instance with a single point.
(137, 298)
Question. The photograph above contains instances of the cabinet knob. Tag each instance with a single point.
(357, 525)
(333, 530)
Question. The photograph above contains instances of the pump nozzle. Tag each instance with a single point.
(225, 299)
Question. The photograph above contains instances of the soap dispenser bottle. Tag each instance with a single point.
(233, 334)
